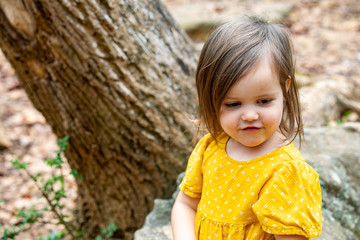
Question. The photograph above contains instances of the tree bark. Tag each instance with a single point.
(117, 77)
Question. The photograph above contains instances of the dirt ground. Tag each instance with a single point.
(326, 35)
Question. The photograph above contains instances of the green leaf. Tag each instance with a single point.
(63, 143)
(57, 162)
(76, 174)
(37, 176)
(112, 227)
(50, 161)
(59, 194)
(55, 179)
(346, 113)
(53, 236)
(29, 216)
(21, 213)
(48, 186)
(109, 230)
(9, 233)
(18, 165)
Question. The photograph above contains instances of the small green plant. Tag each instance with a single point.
(344, 117)
(53, 236)
(28, 217)
(339, 122)
(108, 232)
(53, 191)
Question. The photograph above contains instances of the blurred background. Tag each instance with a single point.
(326, 35)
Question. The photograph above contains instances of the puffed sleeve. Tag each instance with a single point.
(290, 201)
(191, 184)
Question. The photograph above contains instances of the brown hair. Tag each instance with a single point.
(229, 54)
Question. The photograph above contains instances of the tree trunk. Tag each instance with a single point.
(117, 77)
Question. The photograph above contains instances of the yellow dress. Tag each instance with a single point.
(277, 193)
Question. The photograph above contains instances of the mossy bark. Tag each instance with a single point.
(117, 76)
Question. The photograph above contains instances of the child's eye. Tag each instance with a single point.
(234, 104)
(264, 101)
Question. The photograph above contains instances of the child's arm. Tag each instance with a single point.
(290, 237)
(183, 217)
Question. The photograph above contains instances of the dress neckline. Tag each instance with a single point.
(224, 138)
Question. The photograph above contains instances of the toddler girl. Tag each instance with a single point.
(245, 179)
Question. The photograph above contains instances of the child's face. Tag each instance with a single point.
(252, 110)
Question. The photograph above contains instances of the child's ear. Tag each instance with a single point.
(287, 83)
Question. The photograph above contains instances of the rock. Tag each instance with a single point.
(332, 230)
(325, 102)
(157, 224)
(276, 11)
(198, 25)
(334, 152)
(349, 95)
(319, 103)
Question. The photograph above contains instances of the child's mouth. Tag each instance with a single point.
(250, 129)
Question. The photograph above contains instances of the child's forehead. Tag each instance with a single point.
(257, 87)
(265, 65)
(263, 78)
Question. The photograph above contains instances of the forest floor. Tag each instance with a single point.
(326, 36)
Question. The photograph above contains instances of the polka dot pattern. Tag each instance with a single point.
(278, 193)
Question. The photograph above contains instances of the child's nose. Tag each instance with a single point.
(250, 114)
